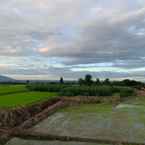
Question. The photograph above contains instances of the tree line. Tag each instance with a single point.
(88, 80)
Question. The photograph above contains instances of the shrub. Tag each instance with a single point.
(86, 91)
(104, 91)
(46, 87)
(126, 92)
(82, 90)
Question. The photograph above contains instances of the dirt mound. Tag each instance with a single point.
(14, 117)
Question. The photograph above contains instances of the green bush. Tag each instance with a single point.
(126, 92)
(45, 87)
(82, 90)
(86, 91)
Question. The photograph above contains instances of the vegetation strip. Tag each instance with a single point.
(23, 99)
(12, 93)
(12, 89)
(29, 135)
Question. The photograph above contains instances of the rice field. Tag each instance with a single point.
(123, 122)
(18, 95)
(9, 89)
(126, 121)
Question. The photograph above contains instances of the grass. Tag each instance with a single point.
(9, 89)
(19, 95)
(89, 108)
(25, 98)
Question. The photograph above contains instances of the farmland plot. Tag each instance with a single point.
(123, 122)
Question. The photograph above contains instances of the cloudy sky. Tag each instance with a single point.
(46, 39)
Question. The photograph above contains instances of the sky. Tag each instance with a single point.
(47, 39)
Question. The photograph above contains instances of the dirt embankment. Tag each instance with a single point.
(49, 137)
(25, 118)
(10, 118)
(140, 92)
(91, 100)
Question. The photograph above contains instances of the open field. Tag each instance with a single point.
(9, 89)
(26, 98)
(122, 121)
(18, 95)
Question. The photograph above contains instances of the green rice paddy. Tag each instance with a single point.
(18, 95)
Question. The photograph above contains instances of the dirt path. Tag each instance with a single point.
(29, 135)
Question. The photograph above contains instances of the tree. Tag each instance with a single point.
(107, 81)
(88, 79)
(98, 81)
(81, 81)
(27, 82)
(61, 80)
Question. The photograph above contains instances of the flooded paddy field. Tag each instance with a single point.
(125, 121)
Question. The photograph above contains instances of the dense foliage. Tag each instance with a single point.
(82, 90)
(46, 87)
(86, 91)
(96, 91)
(128, 83)
(88, 87)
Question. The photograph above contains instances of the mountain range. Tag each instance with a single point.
(6, 79)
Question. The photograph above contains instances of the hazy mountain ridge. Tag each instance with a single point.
(6, 79)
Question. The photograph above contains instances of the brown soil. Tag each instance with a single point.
(140, 92)
(10, 118)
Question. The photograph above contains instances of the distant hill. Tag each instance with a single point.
(6, 79)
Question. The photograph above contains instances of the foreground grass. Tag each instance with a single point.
(23, 99)
(9, 89)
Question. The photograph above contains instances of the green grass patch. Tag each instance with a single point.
(89, 108)
(9, 89)
(22, 99)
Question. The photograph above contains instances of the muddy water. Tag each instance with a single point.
(124, 122)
